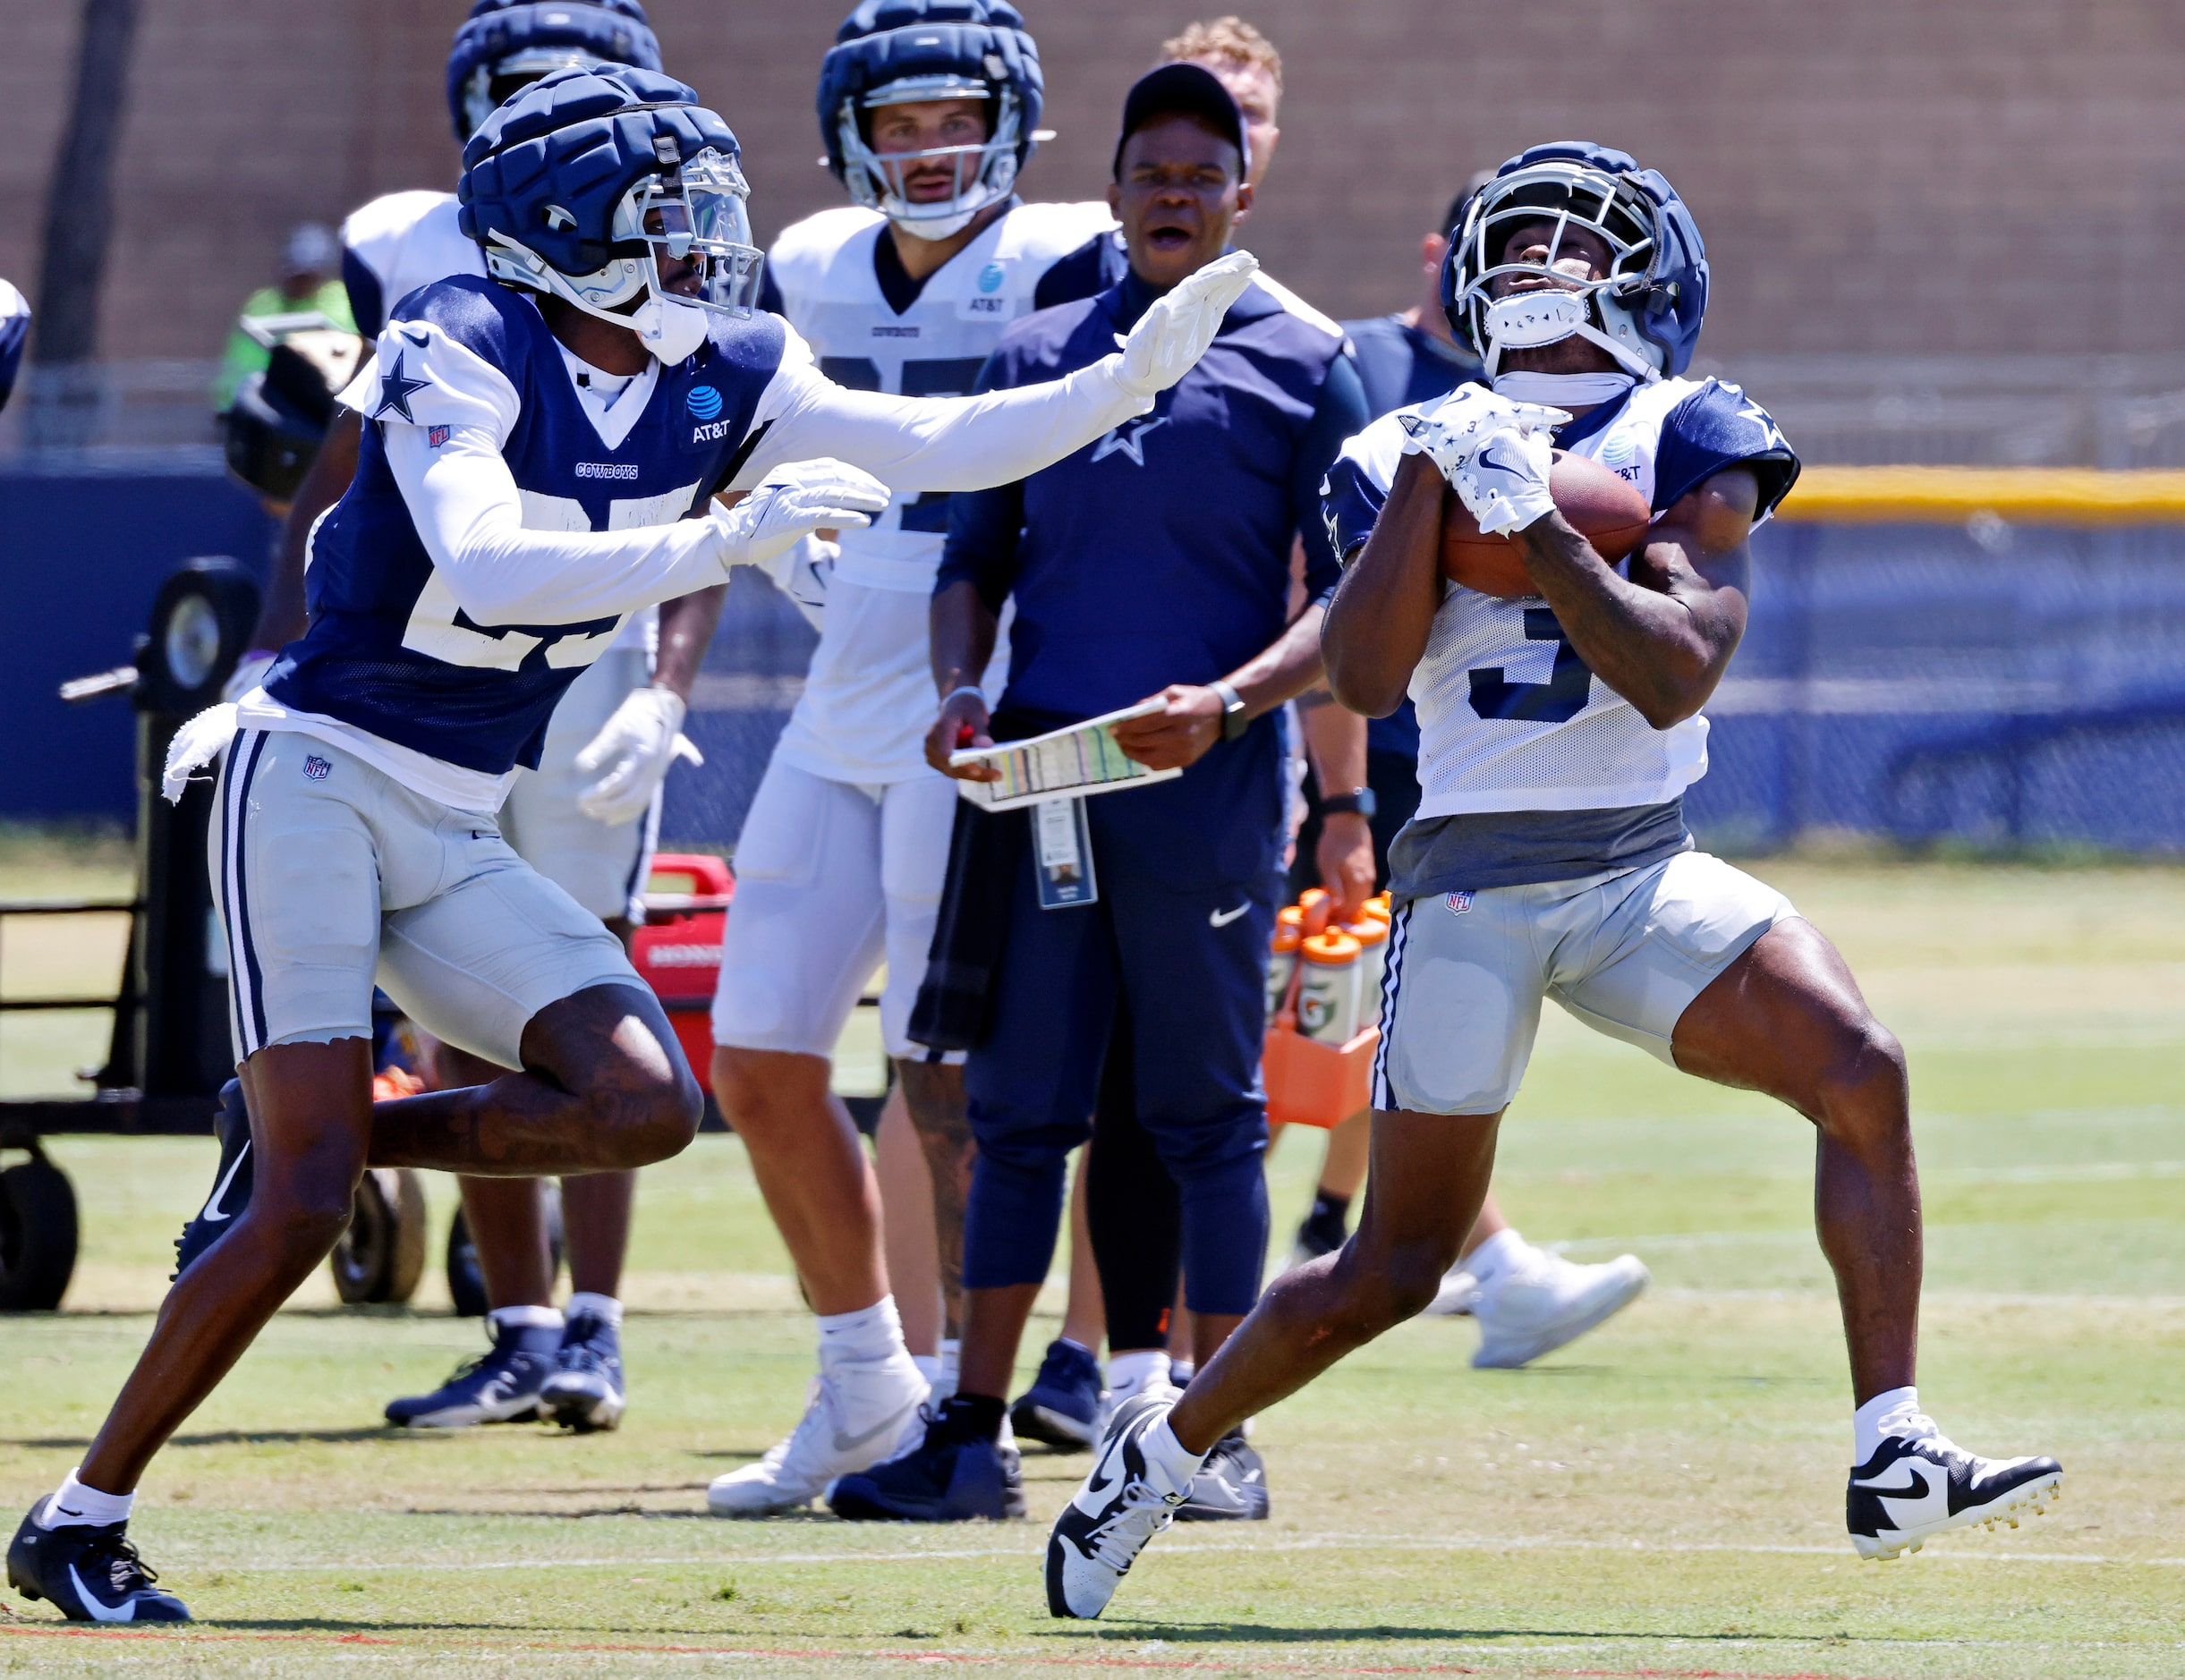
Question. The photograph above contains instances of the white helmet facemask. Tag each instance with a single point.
(981, 175)
(691, 209)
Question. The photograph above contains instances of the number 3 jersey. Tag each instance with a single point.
(1510, 718)
(868, 698)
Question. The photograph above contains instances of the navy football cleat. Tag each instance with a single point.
(1231, 1485)
(1917, 1486)
(89, 1574)
(585, 1391)
(500, 1385)
(231, 1181)
(954, 1475)
(1062, 1406)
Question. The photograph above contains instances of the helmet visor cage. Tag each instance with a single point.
(699, 215)
(979, 176)
(1567, 196)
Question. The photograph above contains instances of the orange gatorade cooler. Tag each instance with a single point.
(1314, 909)
(1373, 938)
(1328, 994)
(1281, 965)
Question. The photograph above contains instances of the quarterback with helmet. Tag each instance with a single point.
(928, 109)
(505, 522)
(1550, 858)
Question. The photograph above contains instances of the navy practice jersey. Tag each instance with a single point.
(1400, 365)
(14, 334)
(389, 651)
(1510, 718)
(1160, 553)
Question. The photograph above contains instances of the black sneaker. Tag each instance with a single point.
(1916, 1486)
(1119, 1508)
(585, 1391)
(231, 1181)
(500, 1385)
(90, 1573)
(955, 1474)
(1231, 1485)
(1062, 1406)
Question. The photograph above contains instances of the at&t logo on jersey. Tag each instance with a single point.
(704, 402)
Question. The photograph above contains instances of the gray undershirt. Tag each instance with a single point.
(1521, 848)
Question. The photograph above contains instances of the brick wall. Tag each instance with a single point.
(1873, 176)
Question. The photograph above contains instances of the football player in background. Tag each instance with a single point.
(585, 817)
(14, 334)
(357, 834)
(1550, 854)
(928, 109)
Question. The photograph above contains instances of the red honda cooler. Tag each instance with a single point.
(678, 950)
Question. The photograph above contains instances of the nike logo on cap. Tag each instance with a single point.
(1222, 918)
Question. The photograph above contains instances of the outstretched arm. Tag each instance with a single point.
(1384, 608)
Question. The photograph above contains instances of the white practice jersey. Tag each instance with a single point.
(1511, 718)
(869, 698)
(402, 240)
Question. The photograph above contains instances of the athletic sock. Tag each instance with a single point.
(1329, 1223)
(75, 1506)
(870, 1333)
(1171, 1461)
(1135, 1372)
(538, 1330)
(1181, 1371)
(972, 1417)
(1497, 1254)
(1893, 1412)
(605, 1308)
(951, 1360)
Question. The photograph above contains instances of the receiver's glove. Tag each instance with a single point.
(795, 499)
(634, 748)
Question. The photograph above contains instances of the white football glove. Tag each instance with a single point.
(1171, 337)
(1504, 482)
(249, 673)
(797, 499)
(803, 574)
(1450, 433)
(634, 748)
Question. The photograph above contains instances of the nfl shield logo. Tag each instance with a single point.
(317, 767)
(1459, 903)
(436, 435)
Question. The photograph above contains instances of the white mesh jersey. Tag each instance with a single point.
(1511, 718)
(868, 698)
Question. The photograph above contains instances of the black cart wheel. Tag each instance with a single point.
(466, 1280)
(382, 1255)
(38, 1236)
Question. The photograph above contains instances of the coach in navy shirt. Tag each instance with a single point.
(1153, 562)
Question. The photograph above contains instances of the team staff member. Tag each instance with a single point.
(1124, 587)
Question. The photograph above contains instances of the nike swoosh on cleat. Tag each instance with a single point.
(851, 1443)
(100, 1612)
(1917, 1488)
(1222, 918)
(214, 1213)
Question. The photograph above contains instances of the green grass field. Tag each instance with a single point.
(1664, 1498)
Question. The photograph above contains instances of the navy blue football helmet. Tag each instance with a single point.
(1646, 312)
(900, 51)
(506, 42)
(572, 184)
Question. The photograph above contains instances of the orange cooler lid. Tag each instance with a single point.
(1331, 949)
(1368, 932)
(1285, 939)
(1290, 917)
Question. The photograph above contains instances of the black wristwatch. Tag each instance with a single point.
(1359, 800)
(1235, 718)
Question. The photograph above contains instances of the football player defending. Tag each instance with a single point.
(1558, 735)
(500, 528)
(584, 817)
(928, 109)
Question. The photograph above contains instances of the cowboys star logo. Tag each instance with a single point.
(1128, 440)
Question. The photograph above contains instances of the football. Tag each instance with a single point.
(1612, 515)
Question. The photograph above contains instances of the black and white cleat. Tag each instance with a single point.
(1918, 1486)
(90, 1573)
(231, 1181)
(1119, 1509)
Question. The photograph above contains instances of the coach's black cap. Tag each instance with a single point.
(1183, 90)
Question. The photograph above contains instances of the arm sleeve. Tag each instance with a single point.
(936, 443)
(984, 526)
(1338, 416)
(469, 514)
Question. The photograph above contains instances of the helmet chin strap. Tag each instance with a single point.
(1531, 320)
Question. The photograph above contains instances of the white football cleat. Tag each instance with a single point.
(1535, 1307)
(1921, 1484)
(1123, 1504)
(853, 1418)
(1458, 1294)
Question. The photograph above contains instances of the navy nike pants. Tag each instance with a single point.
(1186, 969)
